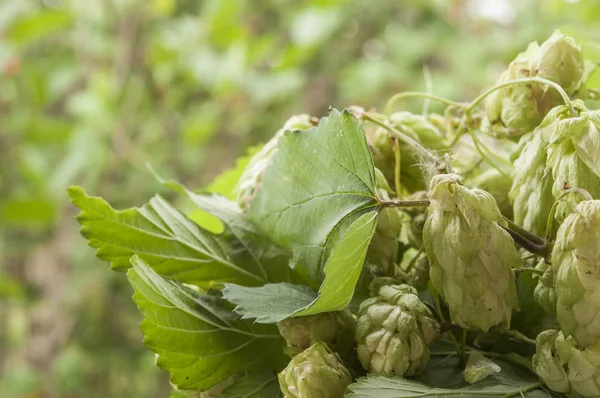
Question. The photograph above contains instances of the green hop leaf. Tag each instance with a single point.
(316, 373)
(199, 341)
(252, 175)
(576, 266)
(471, 256)
(394, 332)
(317, 184)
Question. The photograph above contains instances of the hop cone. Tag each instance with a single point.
(394, 331)
(520, 108)
(471, 256)
(316, 372)
(531, 190)
(252, 176)
(498, 185)
(576, 266)
(336, 329)
(545, 293)
(561, 60)
(426, 130)
(564, 367)
(573, 151)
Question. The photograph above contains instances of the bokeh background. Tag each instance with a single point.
(92, 91)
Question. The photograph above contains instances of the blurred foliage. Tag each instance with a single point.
(92, 91)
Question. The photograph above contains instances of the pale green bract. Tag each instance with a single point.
(531, 190)
(573, 152)
(576, 266)
(565, 367)
(471, 256)
(561, 60)
(497, 184)
(479, 367)
(394, 332)
(316, 372)
(545, 293)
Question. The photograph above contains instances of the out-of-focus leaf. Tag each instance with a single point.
(10, 288)
(30, 28)
(28, 212)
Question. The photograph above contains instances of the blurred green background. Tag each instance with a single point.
(92, 91)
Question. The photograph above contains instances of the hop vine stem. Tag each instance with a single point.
(403, 137)
(417, 94)
(527, 80)
(405, 203)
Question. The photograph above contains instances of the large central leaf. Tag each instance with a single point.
(318, 183)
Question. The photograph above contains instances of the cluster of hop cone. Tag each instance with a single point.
(551, 194)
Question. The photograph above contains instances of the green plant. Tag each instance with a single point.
(217, 293)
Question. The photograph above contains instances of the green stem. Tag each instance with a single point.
(528, 257)
(404, 203)
(428, 87)
(413, 94)
(529, 269)
(521, 390)
(526, 80)
(459, 133)
(522, 231)
(404, 138)
(415, 258)
(397, 167)
(478, 146)
(515, 334)
(438, 307)
(586, 196)
(463, 345)
(540, 250)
